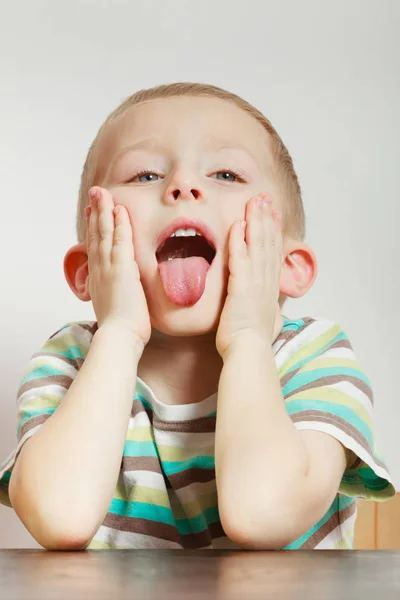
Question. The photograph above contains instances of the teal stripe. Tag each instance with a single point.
(307, 377)
(71, 352)
(298, 406)
(197, 462)
(40, 372)
(133, 448)
(30, 414)
(289, 325)
(162, 514)
(338, 504)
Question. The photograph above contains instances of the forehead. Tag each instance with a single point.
(186, 121)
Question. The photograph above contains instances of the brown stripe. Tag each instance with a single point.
(62, 380)
(31, 423)
(332, 379)
(164, 531)
(332, 419)
(91, 328)
(141, 463)
(341, 344)
(189, 476)
(335, 521)
(201, 425)
(137, 408)
(75, 362)
(176, 480)
(338, 344)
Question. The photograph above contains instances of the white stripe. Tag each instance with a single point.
(143, 479)
(180, 412)
(55, 361)
(8, 463)
(126, 539)
(46, 390)
(346, 353)
(329, 542)
(82, 336)
(299, 340)
(139, 420)
(348, 388)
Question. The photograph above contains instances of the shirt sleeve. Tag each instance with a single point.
(325, 389)
(46, 379)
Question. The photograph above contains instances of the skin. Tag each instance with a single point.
(223, 343)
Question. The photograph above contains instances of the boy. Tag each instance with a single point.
(191, 414)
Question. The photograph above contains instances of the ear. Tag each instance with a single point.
(299, 269)
(76, 271)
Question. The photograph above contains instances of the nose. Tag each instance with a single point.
(183, 188)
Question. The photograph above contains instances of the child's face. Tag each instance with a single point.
(207, 157)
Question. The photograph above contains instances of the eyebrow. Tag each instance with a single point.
(153, 144)
(217, 144)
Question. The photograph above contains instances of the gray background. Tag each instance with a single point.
(325, 73)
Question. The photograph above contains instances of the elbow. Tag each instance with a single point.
(270, 527)
(254, 536)
(60, 541)
(52, 535)
(51, 529)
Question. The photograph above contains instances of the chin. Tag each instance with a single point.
(201, 318)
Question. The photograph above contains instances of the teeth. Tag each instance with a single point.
(185, 232)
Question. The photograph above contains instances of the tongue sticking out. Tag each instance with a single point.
(184, 279)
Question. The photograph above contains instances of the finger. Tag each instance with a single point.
(93, 233)
(278, 237)
(122, 250)
(106, 226)
(237, 248)
(256, 216)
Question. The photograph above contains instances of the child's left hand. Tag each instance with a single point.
(255, 262)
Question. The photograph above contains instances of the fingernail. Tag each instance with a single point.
(87, 211)
(243, 224)
(260, 201)
(94, 194)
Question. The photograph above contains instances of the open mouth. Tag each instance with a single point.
(185, 246)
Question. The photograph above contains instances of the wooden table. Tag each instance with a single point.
(199, 575)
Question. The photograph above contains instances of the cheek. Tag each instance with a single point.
(141, 214)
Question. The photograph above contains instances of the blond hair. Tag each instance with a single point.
(293, 211)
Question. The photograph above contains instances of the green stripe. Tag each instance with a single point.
(319, 352)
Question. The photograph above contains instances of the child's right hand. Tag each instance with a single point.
(114, 280)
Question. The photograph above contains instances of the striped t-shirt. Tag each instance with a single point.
(166, 495)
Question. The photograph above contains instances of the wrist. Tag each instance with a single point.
(247, 342)
(115, 331)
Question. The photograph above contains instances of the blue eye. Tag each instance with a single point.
(147, 177)
(225, 176)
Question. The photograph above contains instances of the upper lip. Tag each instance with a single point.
(186, 223)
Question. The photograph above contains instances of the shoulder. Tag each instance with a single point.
(309, 331)
(71, 341)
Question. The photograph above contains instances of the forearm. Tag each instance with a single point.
(64, 478)
(261, 460)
